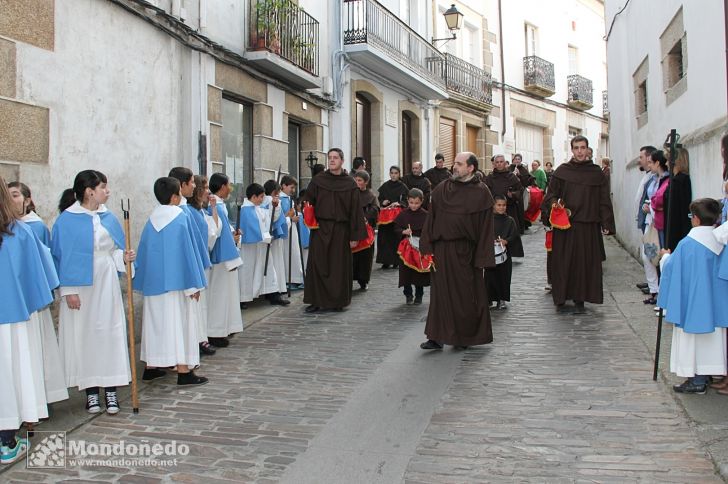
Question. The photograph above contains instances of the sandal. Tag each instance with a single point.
(652, 300)
(722, 385)
(723, 391)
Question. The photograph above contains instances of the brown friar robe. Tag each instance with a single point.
(421, 182)
(390, 192)
(329, 268)
(526, 180)
(499, 277)
(414, 220)
(362, 260)
(459, 233)
(437, 175)
(502, 182)
(577, 254)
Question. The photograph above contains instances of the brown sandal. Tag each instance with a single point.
(724, 391)
(723, 384)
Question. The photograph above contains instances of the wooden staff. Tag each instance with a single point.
(130, 309)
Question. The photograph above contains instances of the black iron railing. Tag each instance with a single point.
(580, 89)
(368, 22)
(284, 28)
(605, 104)
(469, 80)
(538, 72)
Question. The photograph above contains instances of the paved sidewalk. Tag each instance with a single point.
(349, 397)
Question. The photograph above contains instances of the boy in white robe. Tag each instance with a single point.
(291, 247)
(274, 280)
(171, 275)
(254, 241)
(692, 295)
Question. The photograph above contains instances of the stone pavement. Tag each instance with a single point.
(348, 397)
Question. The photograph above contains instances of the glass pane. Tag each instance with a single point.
(236, 151)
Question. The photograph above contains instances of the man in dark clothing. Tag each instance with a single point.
(437, 173)
(581, 188)
(524, 176)
(417, 180)
(458, 232)
(506, 184)
(335, 199)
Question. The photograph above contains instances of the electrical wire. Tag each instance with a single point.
(611, 26)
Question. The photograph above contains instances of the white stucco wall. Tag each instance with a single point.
(701, 107)
(121, 101)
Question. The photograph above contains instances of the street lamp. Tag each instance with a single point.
(454, 21)
(311, 160)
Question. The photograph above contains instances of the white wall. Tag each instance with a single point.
(702, 105)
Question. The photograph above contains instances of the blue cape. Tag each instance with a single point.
(304, 231)
(167, 260)
(198, 226)
(224, 249)
(691, 291)
(41, 231)
(72, 245)
(280, 226)
(27, 277)
(250, 225)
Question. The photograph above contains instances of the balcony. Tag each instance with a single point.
(605, 105)
(538, 76)
(580, 92)
(284, 42)
(377, 40)
(468, 82)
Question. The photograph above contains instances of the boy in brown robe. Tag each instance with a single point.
(409, 223)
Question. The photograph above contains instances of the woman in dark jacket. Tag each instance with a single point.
(677, 200)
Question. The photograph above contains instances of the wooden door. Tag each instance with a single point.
(363, 131)
(407, 151)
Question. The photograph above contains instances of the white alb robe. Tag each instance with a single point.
(295, 256)
(93, 338)
(213, 232)
(54, 377)
(22, 390)
(275, 279)
(252, 282)
(169, 329)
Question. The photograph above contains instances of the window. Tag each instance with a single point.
(641, 99)
(573, 60)
(639, 82)
(529, 142)
(237, 149)
(673, 46)
(530, 32)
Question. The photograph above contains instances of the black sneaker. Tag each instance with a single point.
(277, 300)
(363, 286)
(312, 309)
(689, 387)
(190, 379)
(243, 305)
(501, 306)
(641, 285)
(112, 403)
(153, 374)
(409, 300)
(207, 349)
(219, 342)
(418, 299)
(579, 307)
(92, 403)
(431, 345)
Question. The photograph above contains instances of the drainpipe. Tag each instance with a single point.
(503, 69)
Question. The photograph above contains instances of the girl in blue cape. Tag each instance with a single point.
(26, 281)
(692, 294)
(170, 275)
(87, 243)
(223, 311)
(201, 233)
(55, 379)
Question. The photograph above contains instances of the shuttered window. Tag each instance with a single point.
(447, 140)
(473, 139)
(529, 142)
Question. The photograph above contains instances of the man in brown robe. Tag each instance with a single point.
(505, 183)
(335, 199)
(577, 254)
(417, 180)
(438, 173)
(458, 232)
(524, 176)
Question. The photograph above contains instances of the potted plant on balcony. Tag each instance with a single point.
(271, 14)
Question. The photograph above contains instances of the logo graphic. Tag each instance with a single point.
(49, 452)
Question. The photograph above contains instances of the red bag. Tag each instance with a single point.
(559, 217)
(366, 243)
(549, 244)
(535, 198)
(388, 214)
(413, 258)
(309, 217)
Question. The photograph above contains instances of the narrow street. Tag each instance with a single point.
(350, 398)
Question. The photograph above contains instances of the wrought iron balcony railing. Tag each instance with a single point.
(580, 92)
(285, 29)
(468, 80)
(538, 76)
(605, 104)
(368, 22)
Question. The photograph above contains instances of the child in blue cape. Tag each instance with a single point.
(692, 295)
(87, 243)
(171, 275)
(254, 241)
(291, 249)
(200, 233)
(26, 281)
(223, 311)
(55, 379)
(274, 284)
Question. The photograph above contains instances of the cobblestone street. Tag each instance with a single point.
(349, 397)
